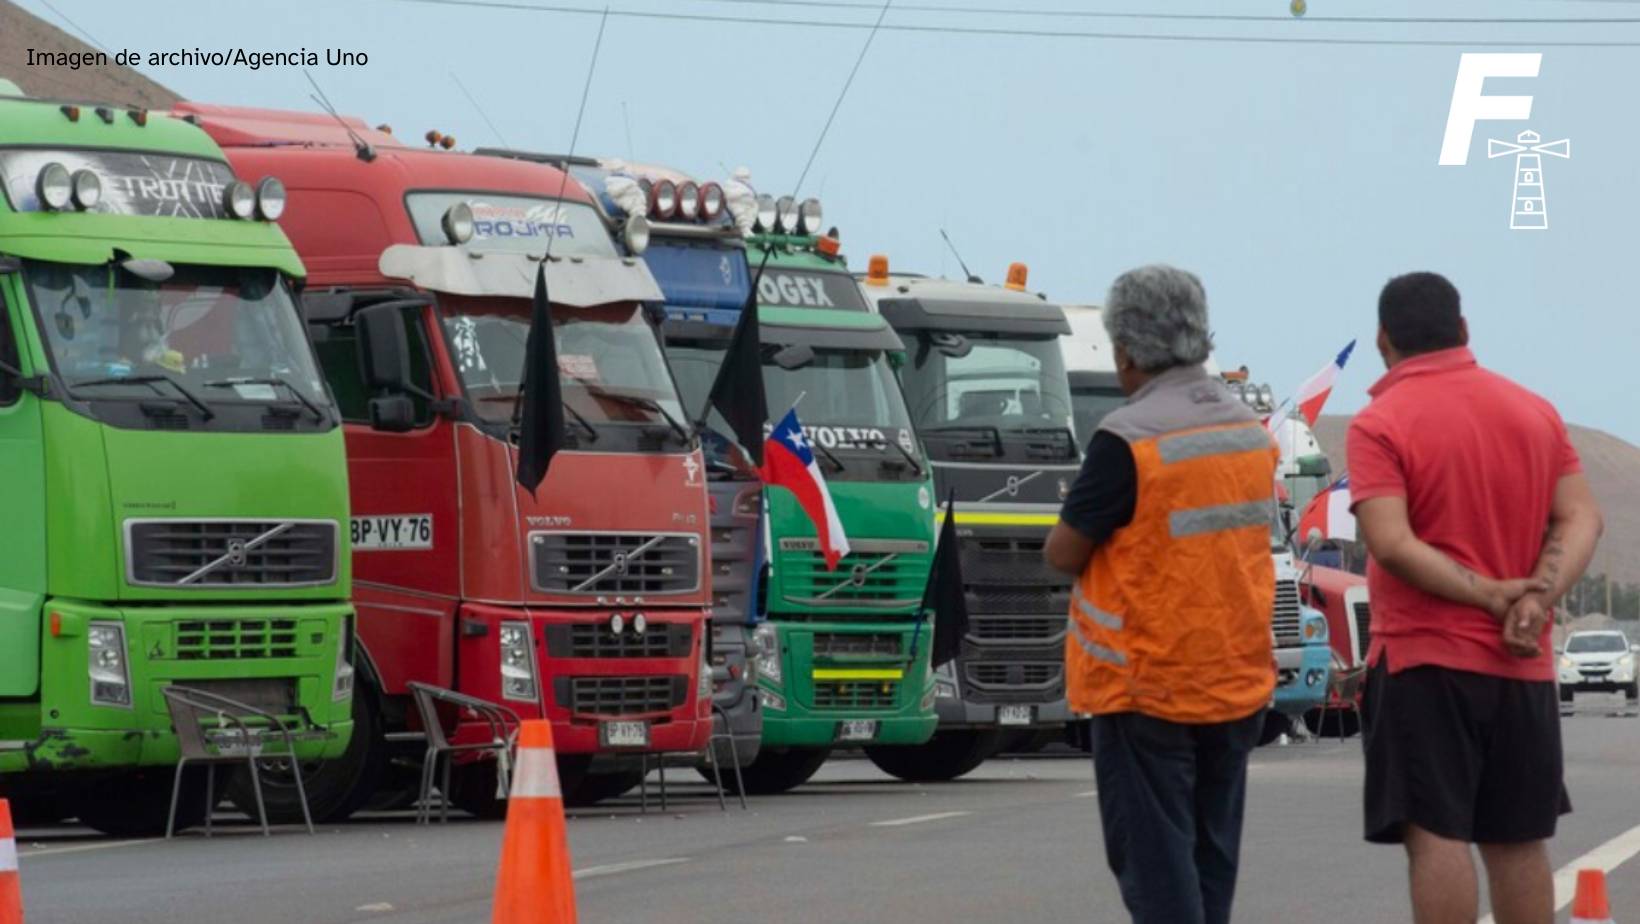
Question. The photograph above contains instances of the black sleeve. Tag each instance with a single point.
(1102, 499)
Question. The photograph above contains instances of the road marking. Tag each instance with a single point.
(1607, 857)
(1087, 795)
(593, 872)
(917, 819)
(82, 848)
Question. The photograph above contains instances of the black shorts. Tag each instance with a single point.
(1466, 756)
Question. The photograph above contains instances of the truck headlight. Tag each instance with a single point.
(342, 687)
(944, 690)
(703, 686)
(1315, 628)
(769, 699)
(518, 678)
(105, 662)
(767, 659)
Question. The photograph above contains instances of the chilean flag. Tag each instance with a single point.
(1313, 393)
(1329, 514)
(789, 462)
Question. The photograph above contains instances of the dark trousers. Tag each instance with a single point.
(1170, 800)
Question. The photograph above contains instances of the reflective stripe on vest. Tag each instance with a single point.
(1096, 650)
(1183, 523)
(1186, 446)
(1108, 620)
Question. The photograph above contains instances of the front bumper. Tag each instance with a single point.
(1303, 676)
(954, 712)
(1606, 679)
(817, 691)
(273, 653)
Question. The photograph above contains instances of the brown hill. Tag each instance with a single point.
(1613, 467)
(21, 31)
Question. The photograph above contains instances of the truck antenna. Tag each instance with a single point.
(366, 152)
(480, 110)
(575, 136)
(971, 276)
(626, 120)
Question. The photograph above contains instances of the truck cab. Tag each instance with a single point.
(985, 381)
(582, 602)
(175, 487)
(698, 257)
(1303, 652)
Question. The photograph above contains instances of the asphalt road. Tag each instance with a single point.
(1016, 841)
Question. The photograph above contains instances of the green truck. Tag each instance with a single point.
(840, 659)
(174, 482)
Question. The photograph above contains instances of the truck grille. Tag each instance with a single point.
(595, 640)
(855, 694)
(832, 644)
(985, 627)
(882, 573)
(620, 695)
(1013, 674)
(234, 639)
(230, 553)
(1363, 629)
(1287, 622)
(625, 564)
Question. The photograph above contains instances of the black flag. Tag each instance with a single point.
(944, 594)
(737, 392)
(541, 434)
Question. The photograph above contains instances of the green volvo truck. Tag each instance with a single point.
(841, 660)
(173, 475)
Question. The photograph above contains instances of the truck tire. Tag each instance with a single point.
(135, 803)
(778, 770)
(335, 788)
(1327, 722)
(472, 789)
(34, 806)
(946, 756)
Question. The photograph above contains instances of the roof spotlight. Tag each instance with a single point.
(270, 198)
(766, 212)
(808, 216)
(54, 186)
(688, 200)
(663, 200)
(785, 219)
(239, 200)
(87, 190)
(458, 223)
(711, 201)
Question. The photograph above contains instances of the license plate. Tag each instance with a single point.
(857, 730)
(624, 734)
(393, 533)
(1015, 715)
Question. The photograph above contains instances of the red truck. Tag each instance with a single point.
(1342, 597)
(584, 602)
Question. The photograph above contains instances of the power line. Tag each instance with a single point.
(75, 26)
(1184, 17)
(517, 5)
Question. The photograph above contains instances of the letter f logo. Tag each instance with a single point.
(1469, 105)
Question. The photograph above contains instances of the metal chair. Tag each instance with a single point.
(503, 723)
(1347, 689)
(212, 729)
(726, 736)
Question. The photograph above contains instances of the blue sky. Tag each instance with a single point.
(1294, 178)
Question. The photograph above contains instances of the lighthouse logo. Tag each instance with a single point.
(1528, 201)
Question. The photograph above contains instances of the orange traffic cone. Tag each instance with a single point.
(1589, 904)
(534, 884)
(11, 887)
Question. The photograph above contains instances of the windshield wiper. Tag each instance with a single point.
(1070, 438)
(993, 432)
(827, 454)
(517, 422)
(648, 404)
(205, 411)
(276, 382)
(875, 443)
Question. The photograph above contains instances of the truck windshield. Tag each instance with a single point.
(847, 397)
(1006, 382)
(609, 360)
(222, 333)
(1089, 405)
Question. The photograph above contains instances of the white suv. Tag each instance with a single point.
(1598, 662)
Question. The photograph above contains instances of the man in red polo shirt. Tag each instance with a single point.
(1477, 516)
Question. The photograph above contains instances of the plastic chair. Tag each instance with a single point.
(212, 729)
(504, 725)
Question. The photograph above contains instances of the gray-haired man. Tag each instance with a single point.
(1167, 528)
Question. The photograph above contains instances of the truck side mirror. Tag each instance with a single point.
(392, 414)
(384, 348)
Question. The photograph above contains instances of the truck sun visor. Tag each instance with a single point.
(579, 282)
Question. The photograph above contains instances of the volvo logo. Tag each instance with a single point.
(236, 552)
(1013, 486)
(857, 577)
(619, 562)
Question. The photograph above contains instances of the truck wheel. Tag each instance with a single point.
(946, 756)
(335, 788)
(135, 803)
(472, 789)
(777, 770)
(1276, 724)
(1325, 722)
(34, 806)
